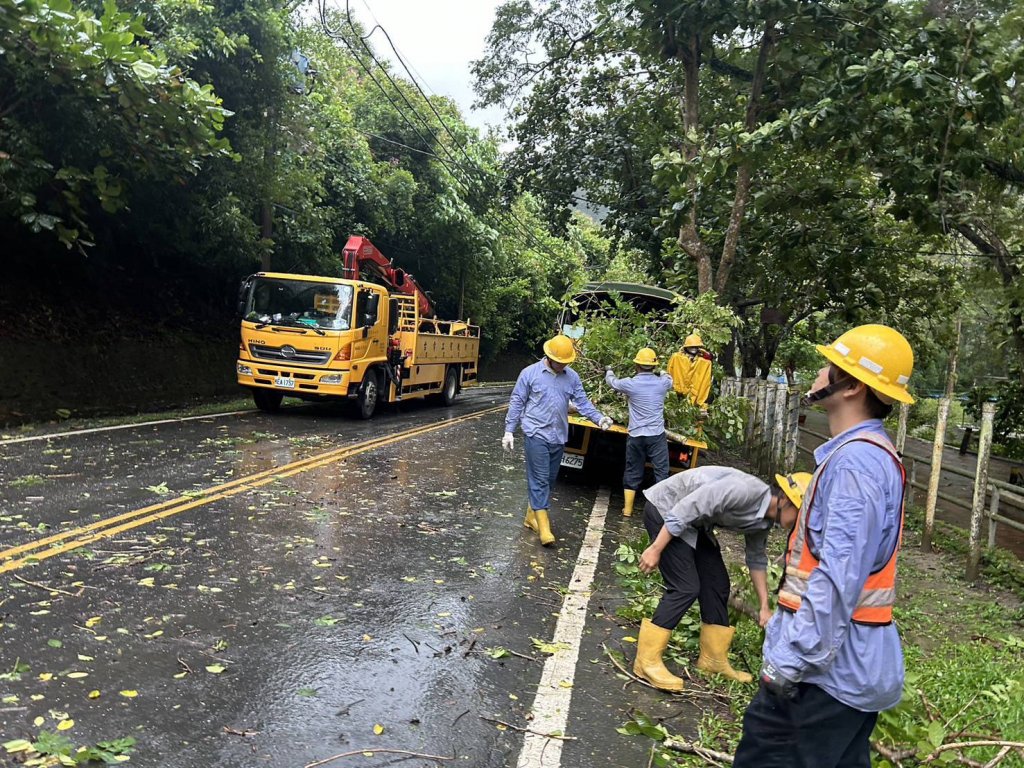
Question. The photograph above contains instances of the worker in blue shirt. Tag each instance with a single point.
(832, 656)
(540, 403)
(646, 392)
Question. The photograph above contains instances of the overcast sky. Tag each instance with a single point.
(437, 39)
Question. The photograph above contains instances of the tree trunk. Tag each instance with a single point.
(742, 196)
(689, 236)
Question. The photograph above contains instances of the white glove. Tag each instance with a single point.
(507, 441)
(605, 423)
(608, 369)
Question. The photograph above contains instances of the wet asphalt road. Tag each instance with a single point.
(356, 604)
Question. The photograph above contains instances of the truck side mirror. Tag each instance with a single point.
(370, 310)
(243, 295)
(393, 311)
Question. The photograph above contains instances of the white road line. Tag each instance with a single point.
(72, 433)
(554, 694)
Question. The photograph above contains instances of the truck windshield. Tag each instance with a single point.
(274, 301)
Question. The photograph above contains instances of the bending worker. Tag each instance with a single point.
(832, 656)
(646, 392)
(691, 371)
(540, 401)
(680, 516)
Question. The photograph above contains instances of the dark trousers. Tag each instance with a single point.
(689, 574)
(640, 450)
(812, 731)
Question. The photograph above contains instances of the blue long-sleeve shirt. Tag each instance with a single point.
(853, 527)
(540, 400)
(646, 393)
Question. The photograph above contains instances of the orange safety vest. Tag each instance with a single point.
(874, 605)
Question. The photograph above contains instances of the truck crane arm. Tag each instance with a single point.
(360, 254)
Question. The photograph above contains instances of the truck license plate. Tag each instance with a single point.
(572, 460)
(282, 381)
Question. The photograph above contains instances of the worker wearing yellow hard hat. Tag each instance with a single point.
(680, 516)
(831, 651)
(540, 405)
(691, 370)
(645, 392)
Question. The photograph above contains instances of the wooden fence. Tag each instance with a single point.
(773, 426)
(773, 440)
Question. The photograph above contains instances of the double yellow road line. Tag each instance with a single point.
(50, 546)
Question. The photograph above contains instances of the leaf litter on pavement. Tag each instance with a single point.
(298, 539)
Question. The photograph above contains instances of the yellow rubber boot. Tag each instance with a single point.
(650, 646)
(531, 518)
(544, 527)
(627, 507)
(714, 652)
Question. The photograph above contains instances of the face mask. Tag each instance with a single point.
(813, 397)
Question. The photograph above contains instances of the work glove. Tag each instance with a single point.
(776, 684)
(605, 422)
(608, 369)
(507, 441)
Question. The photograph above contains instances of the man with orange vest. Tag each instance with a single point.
(832, 656)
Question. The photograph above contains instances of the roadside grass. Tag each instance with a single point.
(963, 646)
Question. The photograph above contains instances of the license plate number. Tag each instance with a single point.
(282, 381)
(572, 460)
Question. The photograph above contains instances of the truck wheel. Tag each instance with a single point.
(366, 400)
(267, 400)
(451, 387)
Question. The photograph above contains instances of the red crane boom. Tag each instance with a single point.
(360, 254)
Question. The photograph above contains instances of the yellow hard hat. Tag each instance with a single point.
(876, 355)
(693, 340)
(794, 485)
(646, 356)
(560, 349)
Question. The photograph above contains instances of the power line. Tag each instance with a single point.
(517, 223)
(524, 229)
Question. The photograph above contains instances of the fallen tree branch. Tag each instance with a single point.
(375, 750)
(998, 758)
(526, 730)
(742, 606)
(235, 732)
(684, 693)
(678, 745)
(968, 745)
(37, 585)
(893, 755)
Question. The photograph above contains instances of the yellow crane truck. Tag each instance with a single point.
(369, 337)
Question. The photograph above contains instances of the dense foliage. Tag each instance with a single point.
(165, 148)
(614, 334)
(817, 165)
